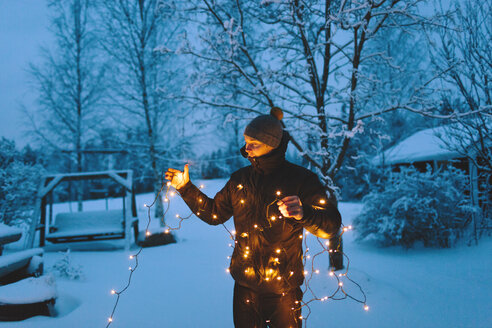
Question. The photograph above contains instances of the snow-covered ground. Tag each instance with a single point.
(186, 285)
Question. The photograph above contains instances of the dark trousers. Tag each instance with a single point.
(253, 310)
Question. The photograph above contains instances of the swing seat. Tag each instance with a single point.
(85, 226)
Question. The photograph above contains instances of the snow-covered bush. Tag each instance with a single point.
(67, 269)
(412, 206)
(19, 182)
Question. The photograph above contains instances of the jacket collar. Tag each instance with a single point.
(267, 163)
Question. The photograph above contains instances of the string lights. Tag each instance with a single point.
(269, 274)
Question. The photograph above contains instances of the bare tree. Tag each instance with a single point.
(313, 59)
(132, 30)
(69, 83)
(462, 50)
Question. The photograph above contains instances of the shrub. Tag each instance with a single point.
(67, 269)
(18, 186)
(411, 206)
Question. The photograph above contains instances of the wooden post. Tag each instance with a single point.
(42, 225)
(472, 169)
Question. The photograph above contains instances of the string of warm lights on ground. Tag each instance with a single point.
(308, 260)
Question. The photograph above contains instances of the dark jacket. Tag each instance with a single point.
(268, 251)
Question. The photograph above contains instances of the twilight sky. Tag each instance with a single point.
(23, 29)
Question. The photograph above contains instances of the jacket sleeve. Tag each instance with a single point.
(212, 211)
(321, 217)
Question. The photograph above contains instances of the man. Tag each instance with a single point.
(272, 201)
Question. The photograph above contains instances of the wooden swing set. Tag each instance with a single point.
(88, 225)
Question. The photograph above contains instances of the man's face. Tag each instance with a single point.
(256, 148)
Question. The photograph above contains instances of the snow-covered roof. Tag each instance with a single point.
(9, 234)
(29, 291)
(425, 145)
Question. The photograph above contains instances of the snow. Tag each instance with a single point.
(8, 233)
(15, 259)
(186, 285)
(28, 291)
(88, 223)
(424, 145)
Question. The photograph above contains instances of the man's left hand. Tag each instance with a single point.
(291, 207)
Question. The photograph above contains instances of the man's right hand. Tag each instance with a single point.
(178, 178)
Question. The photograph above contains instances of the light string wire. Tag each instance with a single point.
(135, 256)
(325, 248)
(306, 256)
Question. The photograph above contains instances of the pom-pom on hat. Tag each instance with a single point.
(267, 128)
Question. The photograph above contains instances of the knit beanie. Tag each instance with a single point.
(266, 128)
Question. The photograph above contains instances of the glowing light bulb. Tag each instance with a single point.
(307, 233)
(166, 200)
(147, 233)
(130, 268)
(173, 193)
(366, 307)
(340, 284)
(233, 232)
(317, 271)
(300, 236)
(247, 247)
(168, 183)
(200, 200)
(214, 216)
(345, 229)
(145, 205)
(278, 250)
(244, 234)
(113, 291)
(327, 243)
(279, 278)
(273, 218)
(177, 215)
(300, 317)
(239, 186)
(305, 272)
(202, 186)
(256, 226)
(242, 201)
(131, 257)
(291, 273)
(227, 270)
(278, 193)
(308, 256)
(332, 273)
(197, 213)
(110, 319)
(350, 227)
(322, 201)
(166, 231)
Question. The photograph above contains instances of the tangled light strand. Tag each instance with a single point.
(306, 256)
